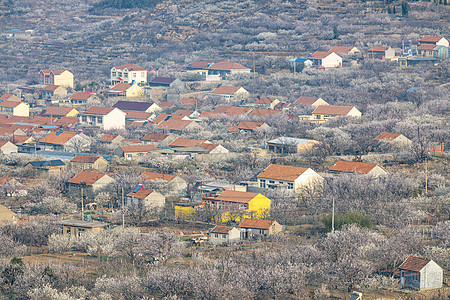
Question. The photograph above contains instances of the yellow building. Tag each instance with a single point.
(14, 108)
(187, 210)
(57, 77)
(126, 90)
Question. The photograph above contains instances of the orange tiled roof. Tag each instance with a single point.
(141, 115)
(88, 176)
(154, 137)
(121, 87)
(227, 66)
(108, 137)
(183, 112)
(51, 87)
(98, 110)
(67, 121)
(426, 47)
(140, 194)
(159, 118)
(173, 124)
(58, 139)
(236, 110)
(256, 223)
(166, 104)
(249, 125)
(7, 96)
(352, 167)
(10, 103)
(139, 148)
(431, 39)
(59, 71)
(341, 49)
(332, 110)
(386, 136)
(85, 159)
(305, 100)
(153, 176)
(200, 64)
(221, 229)
(81, 96)
(279, 172)
(319, 55)
(414, 264)
(56, 111)
(378, 49)
(236, 196)
(182, 142)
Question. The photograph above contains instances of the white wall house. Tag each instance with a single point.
(105, 117)
(128, 73)
(224, 234)
(326, 59)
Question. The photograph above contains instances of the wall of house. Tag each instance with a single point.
(101, 183)
(135, 91)
(389, 53)
(234, 235)
(377, 171)
(354, 112)
(307, 180)
(114, 120)
(177, 185)
(155, 200)
(260, 206)
(431, 276)
(332, 61)
(9, 148)
(101, 164)
(64, 79)
(319, 101)
(21, 110)
(219, 150)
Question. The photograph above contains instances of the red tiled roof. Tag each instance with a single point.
(88, 176)
(225, 90)
(98, 110)
(139, 115)
(426, 47)
(81, 96)
(56, 111)
(236, 196)
(236, 110)
(249, 125)
(85, 159)
(139, 148)
(59, 71)
(386, 136)
(159, 118)
(154, 137)
(332, 110)
(173, 124)
(51, 87)
(121, 87)
(183, 112)
(182, 142)
(352, 167)
(132, 141)
(166, 104)
(208, 146)
(8, 96)
(130, 67)
(232, 128)
(305, 100)
(108, 137)
(200, 64)
(221, 229)
(9, 103)
(256, 223)
(227, 66)
(279, 172)
(378, 49)
(58, 139)
(190, 102)
(414, 264)
(140, 194)
(153, 176)
(262, 112)
(431, 39)
(68, 121)
(341, 49)
(319, 55)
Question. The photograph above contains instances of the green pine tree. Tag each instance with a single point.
(405, 9)
(394, 11)
(336, 33)
(389, 10)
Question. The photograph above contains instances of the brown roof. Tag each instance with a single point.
(51, 87)
(209, 146)
(378, 49)
(58, 139)
(130, 67)
(386, 136)
(98, 110)
(140, 194)
(121, 87)
(226, 90)
(173, 124)
(232, 128)
(85, 159)
(256, 223)
(190, 102)
(81, 96)
(139, 148)
(182, 142)
(132, 141)
(159, 118)
(249, 125)
(67, 121)
(141, 115)
(4, 179)
(319, 55)
(21, 139)
(221, 109)
(7, 96)
(305, 100)
(341, 49)
(266, 101)
(88, 176)
(332, 110)
(236, 110)
(352, 167)
(414, 264)
(426, 47)
(235, 196)
(9, 103)
(279, 172)
(227, 66)
(59, 71)
(166, 104)
(200, 64)
(56, 111)
(2, 143)
(108, 137)
(431, 39)
(183, 112)
(221, 229)
(154, 137)
(153, 176)
(262, 112)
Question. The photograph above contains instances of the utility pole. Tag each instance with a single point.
(426, 176)
(83, 185)
(254, 67)
(123, 211)
(332, 218)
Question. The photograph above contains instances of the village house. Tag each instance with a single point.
(75, 228)
(128, 73)
(345, 50)
(166, 82)
(324, 112)
(430, 50)
(106, 118)
(111, 138)
(176, 184)
(419, 273)
(199, 65)
(394, 140)
(183, 142)
(49, 167)
(52, 90)
(288, 178)
(57, 77)
(10, 97)
(191, 210)
(343, 166)
(263, 112)
(408, 62)
(251, 205)
(178, 126)
(256, 227)
(63, 141)
(290, 145)
(326, 59)
(309, 101)
(230, 92)
(135, 152)
(148, 107)
(87, 162)
(82, 98)
(142, 198)
(224, 235)
(14, 108)
(248, 126)
(225, 69)
(123, 89)
(7, 148)
(381, 52)
(90, 181)
(295, 63)
(270, 103)
(157, 138)
(434, 40)
(59, 111)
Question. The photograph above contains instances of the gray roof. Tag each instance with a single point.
(80, 223)
(133, 105)
(47, 163)
(67, 155)
(284, 140)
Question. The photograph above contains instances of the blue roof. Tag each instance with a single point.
(47, 163)
(414, 89)
(295, 59)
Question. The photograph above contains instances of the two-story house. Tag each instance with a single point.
(57, 77)
(14, 108)
(434, 40)
(289, 178)
(128, 73)
(105, 117)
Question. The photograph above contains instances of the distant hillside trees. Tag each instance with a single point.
(127, 4)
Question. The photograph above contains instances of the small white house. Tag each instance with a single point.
(224, 234)
(105, 117)
(150, 199)
(419, 273)
(326, 59)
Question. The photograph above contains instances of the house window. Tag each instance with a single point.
(120, 74)
(242, 207)
(84, 119)
(125, 74)
(134, 75)
(100, 120)
(114, 74)
(142, 74)
(290, 185)
(262, 183)
(224, 236)
(271, 181)
(93, 119)
(216, 235)
(140, 154)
